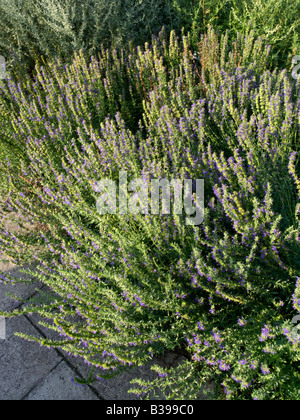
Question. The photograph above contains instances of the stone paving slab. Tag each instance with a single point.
(21, 290)
(59, 385)
(22, 364)
(115, 388)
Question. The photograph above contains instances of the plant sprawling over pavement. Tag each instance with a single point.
(126, 288)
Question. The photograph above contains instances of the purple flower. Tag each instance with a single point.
(223, 366)
(201, 326)
(216, 336)
(265, 333)
(265, 369)
(242, 322)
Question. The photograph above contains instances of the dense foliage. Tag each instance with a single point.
(127, 288)
(31, 28)
(277, 21)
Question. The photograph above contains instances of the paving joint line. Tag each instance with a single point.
(71, 366)
(64, 358)
(40, 381)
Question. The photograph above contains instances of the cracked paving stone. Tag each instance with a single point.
(59, 385)
(23, 364)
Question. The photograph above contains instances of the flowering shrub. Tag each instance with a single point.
(129, 287)
(118, 80)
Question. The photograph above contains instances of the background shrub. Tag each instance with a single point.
(276, 21)
(197, 15)
(225, 292)
(30, 28)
